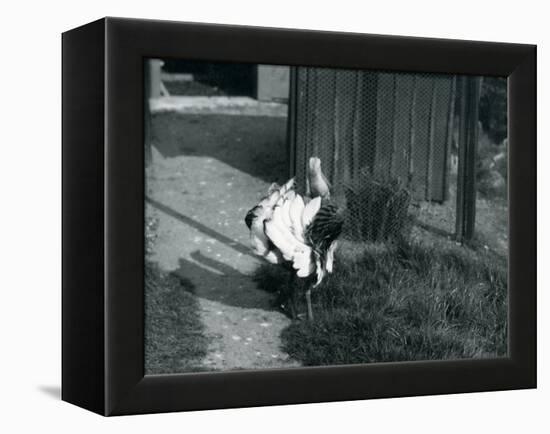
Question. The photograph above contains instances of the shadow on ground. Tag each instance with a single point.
(222, 283)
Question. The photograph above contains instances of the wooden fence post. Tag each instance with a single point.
(469, 88)
(147, 112)
(292, 119)
(152, 89)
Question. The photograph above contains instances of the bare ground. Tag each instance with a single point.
(200, 190)
(436, 222)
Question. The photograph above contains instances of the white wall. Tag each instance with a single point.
(30, 176)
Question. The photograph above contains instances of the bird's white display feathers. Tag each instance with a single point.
(310, 210)
(328, 264)
(330, 256)
(264, 211)
(280, 221)
(295, 213)
(279, 225)
(289, 237)
(288, 228)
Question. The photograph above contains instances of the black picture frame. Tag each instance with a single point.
(103, 216)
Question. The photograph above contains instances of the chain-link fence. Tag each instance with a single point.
(403, 151)
(388, 143)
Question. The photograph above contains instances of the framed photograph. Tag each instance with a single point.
(257, 216)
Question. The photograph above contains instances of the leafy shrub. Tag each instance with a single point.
(493, 107)
(492, 168)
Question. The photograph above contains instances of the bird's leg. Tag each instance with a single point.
(291, 296)
(309, 309)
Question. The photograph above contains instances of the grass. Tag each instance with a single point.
(174, 334)
(400, 303)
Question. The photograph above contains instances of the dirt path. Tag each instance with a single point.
(491, 225)
(200, 203)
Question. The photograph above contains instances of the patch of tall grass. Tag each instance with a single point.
(376, 210)
(399, 303)
(175, 338)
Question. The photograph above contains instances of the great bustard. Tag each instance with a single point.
(301, 231)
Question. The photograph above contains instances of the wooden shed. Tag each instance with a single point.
(391, 126)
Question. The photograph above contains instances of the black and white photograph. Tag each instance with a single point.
(310, 216)
(275, 218)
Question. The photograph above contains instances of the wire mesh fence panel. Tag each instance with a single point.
(491, 172)
(383, 139)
